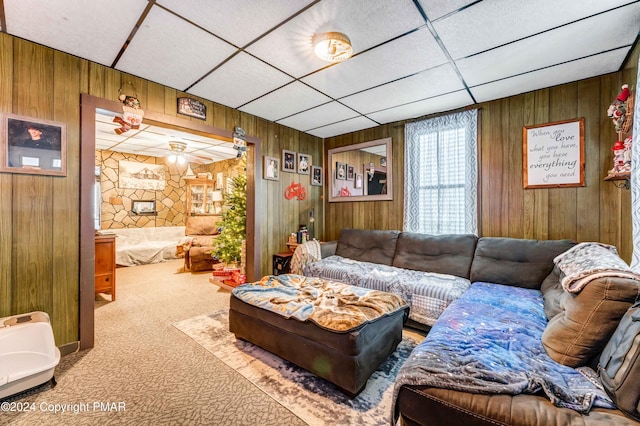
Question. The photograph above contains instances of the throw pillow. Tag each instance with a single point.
(580, 331)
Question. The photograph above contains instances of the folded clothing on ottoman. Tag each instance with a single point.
(338, 332)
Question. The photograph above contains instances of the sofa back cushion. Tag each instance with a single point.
(443, 254)
(513, 261)
(202, 225)
(587, 319)
(368, 245)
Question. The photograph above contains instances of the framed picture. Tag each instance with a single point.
(553, 154)
(304, 164)
(33, 146)
(358, 183)
(144, 207)
(316, 175)
(383, 161)
(288, 161)
(135, 175)
(192, 108)
(350, 172)
(341, 170)
(271, 168)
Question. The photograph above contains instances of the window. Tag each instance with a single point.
(441, 175)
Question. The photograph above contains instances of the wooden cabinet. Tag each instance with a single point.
(105, 268)
(202, 198)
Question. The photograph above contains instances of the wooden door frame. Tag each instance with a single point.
(88, 106)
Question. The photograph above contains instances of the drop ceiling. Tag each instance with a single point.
(412, 57)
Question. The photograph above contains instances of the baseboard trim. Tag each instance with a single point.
(69, 348)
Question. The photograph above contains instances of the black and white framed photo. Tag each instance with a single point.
(304, 164)
(271, 169)
(288, 161)
(350, 172)
(341, 170)
(33, 146)
(383, 161)
(316, 175)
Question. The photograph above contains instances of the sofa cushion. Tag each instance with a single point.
(368, 246)
(443, 254)
(588, 319)
(513, 261)
(202, 225)
(553, 293)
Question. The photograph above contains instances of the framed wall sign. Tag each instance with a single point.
(192, 108)
(33, 146)
(553, 154)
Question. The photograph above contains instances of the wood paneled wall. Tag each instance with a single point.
(596, 212)
(39, 224)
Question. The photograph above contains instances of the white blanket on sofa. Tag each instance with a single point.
(139, 246)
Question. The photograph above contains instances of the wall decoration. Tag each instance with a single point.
(350, 172)
(192, 108)
(341, 170)
(133, 175)
(553, 154)
(271, 168)
(316, 175)
(132, 113)
(288, 161)
(304, 164)
(383, 161)
(33, 146)
(358, 183)
(144, 207)
(295, 190)
(220, 181)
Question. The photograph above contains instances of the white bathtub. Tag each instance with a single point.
(28, 353)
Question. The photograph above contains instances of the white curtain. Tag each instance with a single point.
(441, 174)
(635, 184)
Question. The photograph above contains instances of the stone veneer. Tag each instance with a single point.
(170, 203)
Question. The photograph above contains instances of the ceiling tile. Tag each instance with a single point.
(492, 23)
(285, 101)
(552, 76)
(239, 80)
(319, 116)
(436, 9)
(95, 33)
(553, 47)
(293, 52)
(364, 71)
(434, 105)
(169, 51)
(346, 126)
(237, 25)
(427, 84)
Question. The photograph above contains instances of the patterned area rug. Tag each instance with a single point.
(312, 399)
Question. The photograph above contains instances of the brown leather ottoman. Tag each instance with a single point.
(346, 359)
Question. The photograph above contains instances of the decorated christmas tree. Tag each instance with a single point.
(227, 247)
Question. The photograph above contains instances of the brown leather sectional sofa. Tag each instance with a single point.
(579, 324)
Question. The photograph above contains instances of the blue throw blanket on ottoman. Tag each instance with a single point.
(490, 341)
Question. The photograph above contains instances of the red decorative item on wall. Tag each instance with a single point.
(295, 190)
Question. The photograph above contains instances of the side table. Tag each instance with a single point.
(281, 263)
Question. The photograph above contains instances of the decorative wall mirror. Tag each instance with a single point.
(361, 172)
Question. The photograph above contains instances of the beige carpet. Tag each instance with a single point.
(160, 375)
(314, 400)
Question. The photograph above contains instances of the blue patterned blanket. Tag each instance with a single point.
(490, 341)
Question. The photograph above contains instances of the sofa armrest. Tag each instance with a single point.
(328, 248)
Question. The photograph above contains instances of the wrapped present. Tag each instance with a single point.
(239, 278)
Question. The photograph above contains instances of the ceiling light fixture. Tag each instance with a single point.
(332, 46)
(176, 155)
